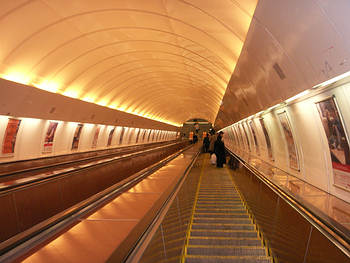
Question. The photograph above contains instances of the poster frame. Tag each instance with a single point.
(76, 138)
(5, 136)
(270, 152)
(47, 146)
(294, 140)
(252, 127)
(333, 97)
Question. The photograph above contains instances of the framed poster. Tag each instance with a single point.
(110, 137)
(138, 135)
(233, 137)
(149, 135)
(49, 136)
(9, 141)
(76, 137)
(154, 133)
(288, 135)
(252, 128)
(239, 127)
(143, 135)
(267, 139)
(94, 140)
(246, 136)
(131, 134)
(337, 141)
(121, 135)
(237, 136)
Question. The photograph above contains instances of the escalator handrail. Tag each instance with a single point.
(10, 250)
(335, 235)
(142, 241)
(58, 174)
(123, 148)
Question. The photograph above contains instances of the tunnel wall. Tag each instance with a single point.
(30, 139)
(291, 46)
(315, 153)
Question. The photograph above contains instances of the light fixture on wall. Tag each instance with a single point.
(332, 80)
(301, 94)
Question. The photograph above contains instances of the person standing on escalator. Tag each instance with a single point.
(219, 150)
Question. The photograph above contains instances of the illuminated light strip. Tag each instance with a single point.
(54, 88)
(305, 92)
(332, 80)
(300, 95)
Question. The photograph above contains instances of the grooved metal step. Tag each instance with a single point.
(221, 229)
(223, 226)
(232, 259)
(217, 241)
(225, 251)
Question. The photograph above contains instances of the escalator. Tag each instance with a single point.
(220, 215)
(221, 229)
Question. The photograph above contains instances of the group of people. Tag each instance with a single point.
(215, 145)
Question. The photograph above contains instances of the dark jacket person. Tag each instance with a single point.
(219, 150)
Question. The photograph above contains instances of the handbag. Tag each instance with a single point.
(213, 158)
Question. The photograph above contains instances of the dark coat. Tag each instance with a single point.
(219, 150)
(206, 141)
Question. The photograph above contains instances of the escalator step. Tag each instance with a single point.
(223, 226)
(225, 251)
(216, 241)
(232, 259)
(223, 206)
(216, 215)
(223, 233)
(221, 220)
(220, 210)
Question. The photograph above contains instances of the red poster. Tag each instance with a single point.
(110, 137)
(337, 141)
(76, 136)
(94, 141)
(50, 134)
(8, 145)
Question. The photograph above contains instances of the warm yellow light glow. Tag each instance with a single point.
(88, 99)
(102, 103)
(121, 108)
(17, 76)
(305, 92)
(332, 80)
(71, 93)
(47, 85)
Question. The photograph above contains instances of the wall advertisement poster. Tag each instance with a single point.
(9, 142)
(252, 128)
(121, 135)
(94, 140)
(244, 143)
(49, 137)
(246, 136)
(110, 137)
(138, 135)
(76, 137)
(288, 135)
(267, 139)
(337, 141)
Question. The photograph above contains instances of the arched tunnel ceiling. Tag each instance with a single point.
(169, 60)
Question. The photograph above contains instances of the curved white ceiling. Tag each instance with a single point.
(168, 60)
